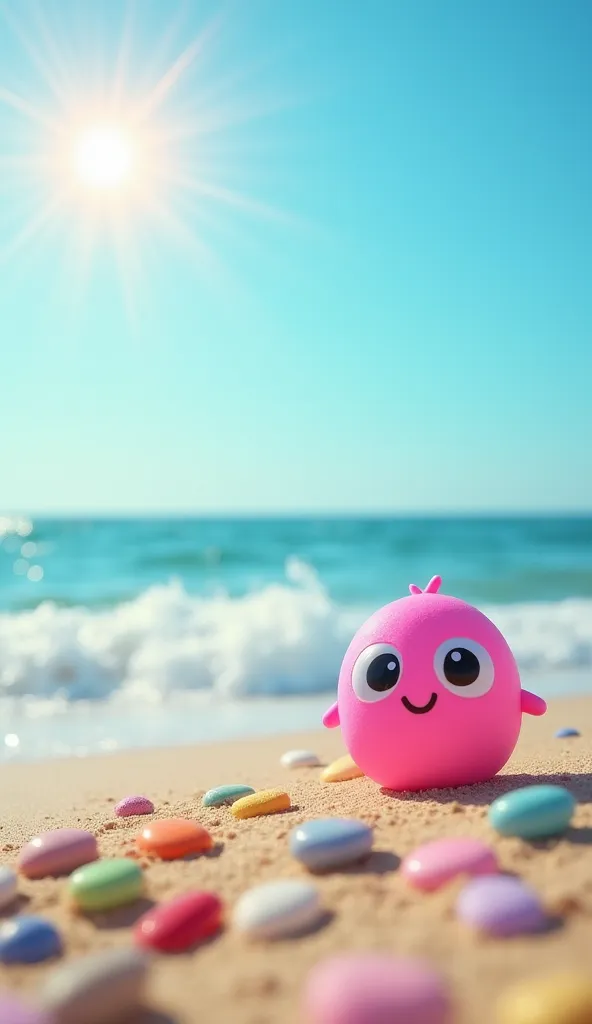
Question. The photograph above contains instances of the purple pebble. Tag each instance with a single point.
(134, 805)
(501, 905)
(13, 1011)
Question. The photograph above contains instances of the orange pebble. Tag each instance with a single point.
(173, 838)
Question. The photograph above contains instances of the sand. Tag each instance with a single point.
(368, 906)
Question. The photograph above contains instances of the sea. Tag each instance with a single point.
(127, 632)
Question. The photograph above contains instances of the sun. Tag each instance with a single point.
(103, 157)
(106, 159)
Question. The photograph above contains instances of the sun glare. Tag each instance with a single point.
(103, 157)
(124, 157)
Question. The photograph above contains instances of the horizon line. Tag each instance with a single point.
(460, 513)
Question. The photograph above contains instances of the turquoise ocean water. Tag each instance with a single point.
(127, 632)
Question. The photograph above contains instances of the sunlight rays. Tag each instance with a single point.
(115, 155)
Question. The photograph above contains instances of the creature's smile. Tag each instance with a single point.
(415, 710)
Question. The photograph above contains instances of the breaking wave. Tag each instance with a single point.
(283, 639)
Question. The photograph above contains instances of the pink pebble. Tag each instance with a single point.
(375, 989)
(57, 853)
(134, 805)
(436, 863)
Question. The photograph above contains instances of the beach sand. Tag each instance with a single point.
(368, 906)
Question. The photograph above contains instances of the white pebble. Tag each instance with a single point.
(277, 909)
(97, 989)
(299, 759)
(8, 886)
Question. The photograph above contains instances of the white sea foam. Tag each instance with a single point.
(283, 639)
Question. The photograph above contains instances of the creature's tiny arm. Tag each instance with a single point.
(531, 704)
(331, 717)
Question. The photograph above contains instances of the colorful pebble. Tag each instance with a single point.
(299, 759)
(8, 887)
(341, 770)
(331, 842)
(97, 989)
(181, 923)
(533, 812)
(277, 909)
(57, 853)
(106, 884)
(28, 940)
(435, 864)
(131, 805)
(502, 906)
(266, 801)
(226, 795)
(559, 999)
(563, 734)
(358, 988)
(12, 1011)
(173, 838)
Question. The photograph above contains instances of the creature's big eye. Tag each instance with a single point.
(464, 667)
(377, 670)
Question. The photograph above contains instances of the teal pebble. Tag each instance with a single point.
(225, 795)
(534, 812)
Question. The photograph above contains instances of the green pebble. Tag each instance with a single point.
(106, 884)
(225, 795)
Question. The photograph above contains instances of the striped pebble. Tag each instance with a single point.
(341, 770)
(131, 805)
(57, 853)
(277, 909)
(326, 843)
(226, 795)
(97, 989)
(299, 759)
(371, 988)
(267, 801)
(8, 887)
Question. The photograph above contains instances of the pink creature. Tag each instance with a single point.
(429, 694)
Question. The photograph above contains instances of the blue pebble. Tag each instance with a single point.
(534, 812)
(226, 795)
(562, 734)
(28, 940)
(331, 842)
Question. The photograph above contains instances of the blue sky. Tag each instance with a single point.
(393, 311)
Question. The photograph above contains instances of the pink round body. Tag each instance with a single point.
(429, 694)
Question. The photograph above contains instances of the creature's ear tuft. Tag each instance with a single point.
(434, 585)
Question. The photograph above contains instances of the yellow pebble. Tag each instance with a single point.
(341, 770)
(267, 801)
(559, 999)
